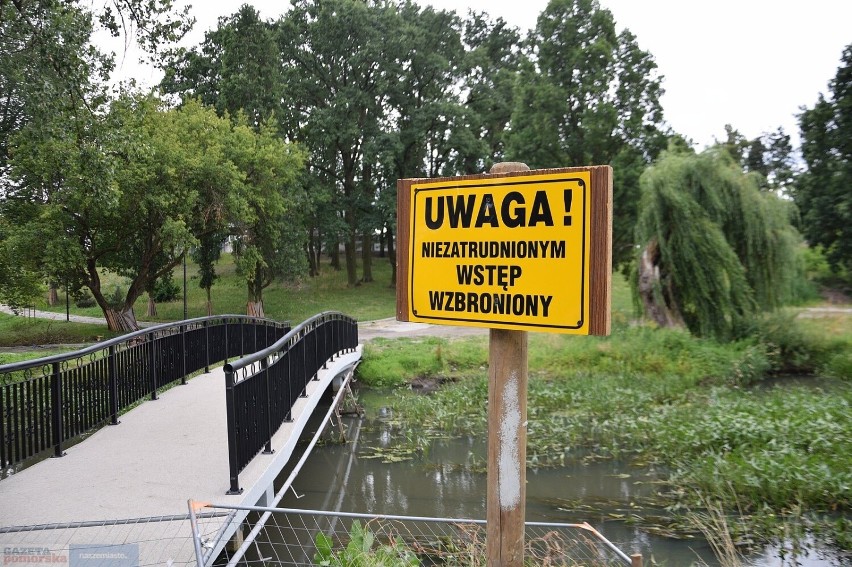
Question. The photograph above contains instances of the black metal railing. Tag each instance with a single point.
(261, 388)
(48, 402)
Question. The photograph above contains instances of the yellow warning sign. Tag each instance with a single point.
(510, 252)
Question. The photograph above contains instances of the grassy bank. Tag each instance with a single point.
(772, 450)
(26, 331)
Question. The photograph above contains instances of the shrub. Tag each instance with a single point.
(166, 289)
(84, 299)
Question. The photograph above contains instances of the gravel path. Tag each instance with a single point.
(38, 314)
(367, 330)
(390, 327)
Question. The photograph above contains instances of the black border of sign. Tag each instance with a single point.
(440, 186)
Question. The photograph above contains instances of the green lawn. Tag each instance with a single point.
(293, 302)
(25, 331)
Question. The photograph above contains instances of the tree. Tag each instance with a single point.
(238, 70)
(341, 62)
(50, 65)
(588, 95)
(53, 85)
(492, 60)
(235, 69)
(130, 193)
(205, 255)
(770, 156)
(425, 129)
(823, 191)
(19, 286)
(269, 240)
(715, 249)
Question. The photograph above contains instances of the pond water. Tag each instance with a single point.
(449, 481)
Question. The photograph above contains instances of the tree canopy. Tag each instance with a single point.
(588, 95)
(289, 135)
(823, 192)
(380, 90)
(49, 63)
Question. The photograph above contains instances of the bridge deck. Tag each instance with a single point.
(163, 453)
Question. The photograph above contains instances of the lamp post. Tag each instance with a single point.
(184, 285)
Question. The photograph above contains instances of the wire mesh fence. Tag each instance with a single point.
(160, 540)
(251, 536)
(280, 537)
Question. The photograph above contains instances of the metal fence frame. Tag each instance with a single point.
(292, 539)
(261, 388)
(47, 402)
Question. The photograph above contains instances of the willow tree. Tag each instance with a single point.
(715, 250)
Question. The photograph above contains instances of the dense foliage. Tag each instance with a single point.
(588, 95)
(823, 194)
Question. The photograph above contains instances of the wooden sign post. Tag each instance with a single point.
(514, 250)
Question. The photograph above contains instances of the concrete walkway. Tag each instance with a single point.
(54, 316)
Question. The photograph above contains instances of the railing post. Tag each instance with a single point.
(152, 366)
(242, 338)
(636, 560)
(183, 354)
(227, 324)
(56, 410)
(333, 342)
(354, 325)
(315, 340)
(231, 407)
(113, 386)
(206, 346)
(264, 368)
(328, 339)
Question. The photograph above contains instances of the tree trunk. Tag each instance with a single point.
(121, 320)
(52, 295)
(392, 257)
(254, 309)
(310, 244)
(334, 254)
(367, 257)
(209, 303)
(254, 305)
(318, 250)
(657, 302)
(351, 260)
(152, 307)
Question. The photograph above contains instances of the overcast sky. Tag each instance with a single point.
(748, 63)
